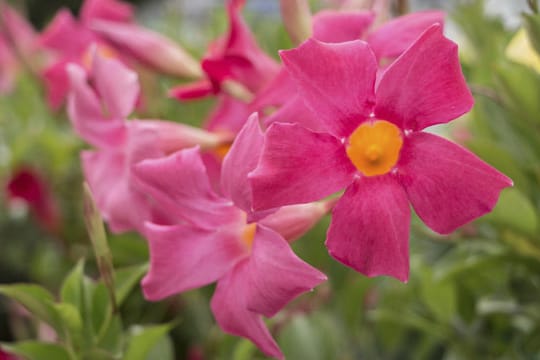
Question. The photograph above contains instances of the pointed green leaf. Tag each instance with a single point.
(34, 350)
(72, 288)
(515, 211)
(143, 340)
(126, 279)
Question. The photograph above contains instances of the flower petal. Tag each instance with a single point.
(184, 257)
(370, 228)
(231, 312)
(447, 185)
(298, 166)
(179, 184)
(277, 275)
(395, 36)
(106, 10)
(336, 81)
(424, 86)
(295, 111)
(340, 26)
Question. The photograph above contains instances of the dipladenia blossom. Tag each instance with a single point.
(98, 113)
(374, 147)
(256, 271)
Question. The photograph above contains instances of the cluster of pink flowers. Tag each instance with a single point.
(345, 110)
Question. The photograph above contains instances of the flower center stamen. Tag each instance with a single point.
(374, 147)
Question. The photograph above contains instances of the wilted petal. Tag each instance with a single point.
(424, 86)
(395, 36)
(298, 166)
(336, 81)
(183, 257)
(229, 305)
(340, 26)
(277, 275)
(448, 186)
(370, 228)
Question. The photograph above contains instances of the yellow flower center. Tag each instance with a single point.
(249, 234)
(374, 147)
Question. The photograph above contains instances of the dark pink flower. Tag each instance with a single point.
(256, 271)
(373, 147)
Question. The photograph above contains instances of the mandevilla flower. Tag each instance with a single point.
(374, 147)
(256, 271)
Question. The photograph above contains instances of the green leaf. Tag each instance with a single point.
(532, 24)
(144, 339)
(515, 211)
(439, 296)
(126, 279)
(37, 300)
(34, 350)
(72, 322)
(72, 288)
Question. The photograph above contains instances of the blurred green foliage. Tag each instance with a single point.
(474, 294)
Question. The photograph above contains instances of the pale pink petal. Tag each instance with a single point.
(19, 30)
(229, 305)
(86, 115)
(117, 85)
(447, 185)
(395, 36)
(277, 92)
(298, 166)
(106, 10)
(370, 228)
(179, 184)
(183, 257)
(241, 159)
(338, 86)
(229, 115)
(340, 26)
(277, 275)
(424, 86)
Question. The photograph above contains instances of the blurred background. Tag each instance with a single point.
(474, 294)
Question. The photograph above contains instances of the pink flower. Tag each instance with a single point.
(236, 56)
(374, 147)
(99, 116)
(256, 271)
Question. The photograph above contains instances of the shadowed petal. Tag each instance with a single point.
(370, 228)
(424, 86)
(183, 257)
(336, 81)
(277, 275)
(340, 26)
(298, 166)
(447, 185)
(230, 310)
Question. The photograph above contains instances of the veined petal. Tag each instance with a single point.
(295, 111)
(179, 184)
(336, 81)
(241, 159)
(117, 85)
(184, 257)
(340, 26)
(298, 166)
(86, 115)
(424, 86)
(229, 305)
(370, 228)
(447, 185)
(277, 275)
(395, 36)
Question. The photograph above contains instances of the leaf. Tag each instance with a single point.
(72, 322)
(126, 279)
(37, 300)
(143, 340)
(439, 296)
(532, 24)
(34, 350)
(72, 288)
(515, 211)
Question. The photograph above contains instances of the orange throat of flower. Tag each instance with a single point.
(248, 234)
(374, 147)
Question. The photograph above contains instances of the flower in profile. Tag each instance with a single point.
(256, 271)
(374, 147)
(98, 106)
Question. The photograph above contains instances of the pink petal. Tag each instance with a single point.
(447, 185)
(229, 305)
(241, 159)
(370, 228)
(117, 85)
(338, 85)
(85, 112)
(19, 30)
(424, 86)
(298, 166)
(395, 36)
(106, 10)
(179, 185)
(229, 115)
(340, 26)
(56, 83)
(277, 275)
(295, 111)
(277, 92)
(194, 90)
(183, 257)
